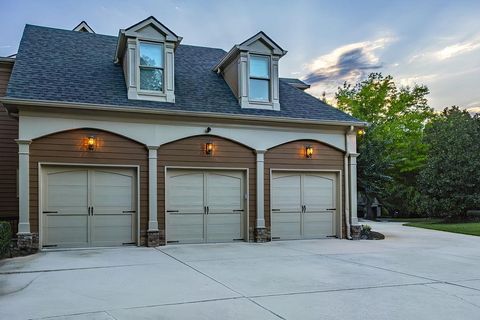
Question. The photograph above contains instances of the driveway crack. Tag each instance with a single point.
(222, 284)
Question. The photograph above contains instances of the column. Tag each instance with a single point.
(153, 234)
(260, 232)
(24, 185)
(353, 186)
(24, 235)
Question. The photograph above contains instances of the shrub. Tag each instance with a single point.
(5, 237)
(366, 230)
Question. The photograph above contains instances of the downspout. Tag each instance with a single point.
(347, 196)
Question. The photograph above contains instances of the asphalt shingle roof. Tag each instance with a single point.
(68, 66)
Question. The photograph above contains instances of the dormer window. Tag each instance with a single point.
(151, 66)
(259, 78)
(146, 52)
(251, 71)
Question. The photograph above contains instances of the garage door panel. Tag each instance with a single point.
(68, 192)
(318, 225)
(111, 230)
(224, 192)
(224, 227)
(286, 225)
(286, 193)
(112, 192)
(65, 230)
(319, 192)
(185, 228)
(185, 192)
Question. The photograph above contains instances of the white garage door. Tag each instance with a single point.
(83, 207)
(205, 206)
(303, 205)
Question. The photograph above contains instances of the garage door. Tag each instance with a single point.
(303, 205)
(85, 207)
(205, 206)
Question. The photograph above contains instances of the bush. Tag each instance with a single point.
(5, 237)
(366, 230)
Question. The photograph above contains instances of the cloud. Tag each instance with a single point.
(410, 80)
(473, 107)
(448, 52)
(350, 63)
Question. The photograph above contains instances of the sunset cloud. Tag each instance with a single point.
(350, 63)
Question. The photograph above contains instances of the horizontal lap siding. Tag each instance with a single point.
(190, 152)
(67, 147)
(291, 156)
(8, 157)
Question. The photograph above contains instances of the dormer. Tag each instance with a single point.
(83, 27)
(251, 71)
(146, 52)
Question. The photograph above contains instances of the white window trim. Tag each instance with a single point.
(269, 60)
(137, 70)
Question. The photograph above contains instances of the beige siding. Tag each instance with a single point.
(230, 74)
(189, 152)
(8, 156)
(67, 147)
(291, 156)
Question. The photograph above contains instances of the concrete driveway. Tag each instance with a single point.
(413, 274)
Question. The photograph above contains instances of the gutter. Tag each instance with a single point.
(7, 60)
(347, 200)
(75, 105)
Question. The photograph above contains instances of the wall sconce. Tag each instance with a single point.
(361, 132)
(308, 151)
(208, 148)
(91, 143)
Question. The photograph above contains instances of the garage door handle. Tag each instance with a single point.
(331, 209)
(275, 209)
(129, 211)
(171, 211)
(50, 211)
(239, 210)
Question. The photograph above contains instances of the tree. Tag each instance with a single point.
(451, 177)
(397, 116)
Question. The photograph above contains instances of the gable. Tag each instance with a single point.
(149, 31)
(260, 46)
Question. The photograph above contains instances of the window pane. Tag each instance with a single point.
(151, 55)
(259, 90)
(151, 79)
(259, 67)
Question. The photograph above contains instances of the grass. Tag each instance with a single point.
(410, 219)
(470, 228)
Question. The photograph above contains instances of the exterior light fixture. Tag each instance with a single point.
(208, 148)
(308, 151)
(361, 132)
(91, 143)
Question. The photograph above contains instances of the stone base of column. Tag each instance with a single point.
(262, 235)
(153, 238)
(355, 231)
(27, 242)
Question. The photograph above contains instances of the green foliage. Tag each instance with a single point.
(5, 237)
(393, 150)
(366, 230)
(451, 177)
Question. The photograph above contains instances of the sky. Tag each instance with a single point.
(435, 43)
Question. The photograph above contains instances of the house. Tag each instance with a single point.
(140, 139)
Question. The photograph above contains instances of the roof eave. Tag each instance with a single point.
(8, 102)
